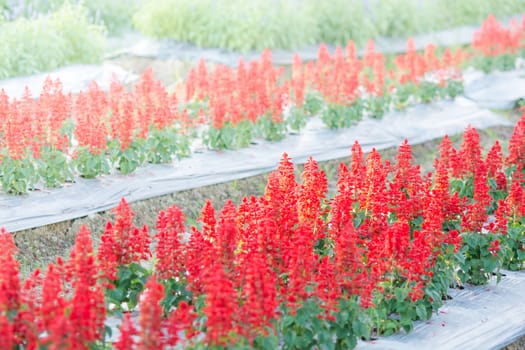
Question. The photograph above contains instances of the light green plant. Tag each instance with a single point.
(63, 37)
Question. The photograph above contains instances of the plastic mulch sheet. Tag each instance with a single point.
(478, 317)
(497, 90)
(418, 124)
(74, 79)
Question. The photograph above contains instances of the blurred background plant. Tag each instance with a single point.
(39, 35)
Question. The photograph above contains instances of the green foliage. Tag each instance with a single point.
(270, 130)
(126, 290)
(229, 136)
(63, 37)
(53, 167)
(244, 25)
(514, 243)
(128, 159)
(236, 24)
(477, 263)
(339, 116)
(162, 145)
(18, 176)
(90, 165)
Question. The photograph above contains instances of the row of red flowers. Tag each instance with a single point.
(50, 140)
(294, 268)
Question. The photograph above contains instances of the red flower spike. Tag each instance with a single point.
(494, 160)
(327, 288)
(150, 317)
(181, 320)
(500, 215)
(312, 192)
(259, 293)
(7, 337)
(208, 221)
(470, 152)
(169, 252)
(9, 275)
(220, 306)
(88, 312)
(199, 255)
(227, 235)
(516, 154)
(53, 319)
(127, 334)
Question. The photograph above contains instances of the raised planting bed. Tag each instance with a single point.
(295, 268)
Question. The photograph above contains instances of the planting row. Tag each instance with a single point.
(49, 140)
(293, 269)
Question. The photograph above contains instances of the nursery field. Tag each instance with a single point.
(361, 199)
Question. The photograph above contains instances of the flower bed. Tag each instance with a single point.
(293, 268)
(51, 140)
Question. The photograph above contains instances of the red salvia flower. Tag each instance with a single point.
(494, 248)
(500, 215)
(227, 235)
(259, 295)
(208, 221)
(327, 289)
(53, 319)
(169, 252)
(312, 192)
(199, 255)
(181, 320)
(516, 154)
(150, 316)
(477, 212)
(220, 306)
(494, 160)
(128, 332)
(7, 337)
(88, 312)
(470, 152)
(91, 116)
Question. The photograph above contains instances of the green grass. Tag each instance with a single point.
(63, 37)
(257, 24)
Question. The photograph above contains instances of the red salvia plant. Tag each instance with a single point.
(373, 198)
(494, 160)
(181, 320)
(406, 186)
(221, 306)
(53, 319)
(169, 251)
(516, 154)
(150, 317)
(311, 196)
(298, 83)
(493, 40)
(199, 256)
(88, 312)
(301, 266)
(281, 192)
(10, 292)
(515, 200)
(27, 327)
(477, 211)
(208, 221)
(227, 235)
(122, 243)
(259, 295)
(91, 114)
(327, 288)
(470, 153)
(128, 332)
